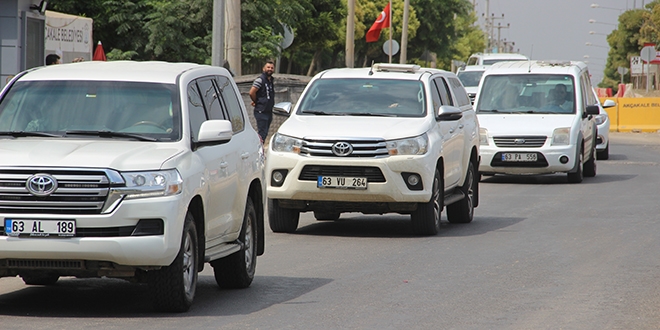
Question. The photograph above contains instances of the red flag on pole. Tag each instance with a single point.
(99, 54)
(383, 21)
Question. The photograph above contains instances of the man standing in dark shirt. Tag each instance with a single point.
(262, 94)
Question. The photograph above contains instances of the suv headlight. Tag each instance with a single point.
(483, 136)
(152, 183)
(411, 146)
(561, 136)
(283, 143)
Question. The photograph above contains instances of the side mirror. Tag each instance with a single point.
(215, 131)
(608, 104)
(282, 108)
(449, 113)
(591, 110)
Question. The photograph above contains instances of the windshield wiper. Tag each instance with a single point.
(112, 134)
(26, 134)
(317, 112)
(488, 110)
(372, 114)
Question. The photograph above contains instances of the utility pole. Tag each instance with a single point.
(499, 32)
(404, 33)
(233, 28)
(350, 35)
(218, 34)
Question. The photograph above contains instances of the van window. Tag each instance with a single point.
(472, 61)
(529, 93)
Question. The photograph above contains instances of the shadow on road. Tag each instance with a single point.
(393, 226)
(554, 179)
(98, 298)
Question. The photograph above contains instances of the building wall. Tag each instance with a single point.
(11, 43)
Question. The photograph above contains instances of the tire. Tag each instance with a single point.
(577, 176)
(605, 153)
(324, 216)
(463, 210)
(426, 219)
(590, 166)
(40, 279)
(236, 271)
(173, 287)
(282, 220)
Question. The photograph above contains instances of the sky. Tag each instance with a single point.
(558, 29)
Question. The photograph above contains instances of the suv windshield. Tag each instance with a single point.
(364, 97)
(470, 78)
(143, 111)
(528, 93)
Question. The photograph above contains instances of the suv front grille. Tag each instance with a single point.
(312, 172)
(519, 141)
(79, 191)
(361, 147)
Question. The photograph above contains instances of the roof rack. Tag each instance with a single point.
(554, 63)
(390, 67)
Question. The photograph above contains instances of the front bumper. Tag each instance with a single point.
(122, 249)
(548, 160)
(391, 188)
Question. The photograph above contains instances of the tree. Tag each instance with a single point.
(636, 27)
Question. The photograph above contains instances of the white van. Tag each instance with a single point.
(537, 117)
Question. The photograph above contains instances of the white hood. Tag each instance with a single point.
(353, 126)
(119, 155)
(524, 124)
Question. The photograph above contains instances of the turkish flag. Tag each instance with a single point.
(383, 21)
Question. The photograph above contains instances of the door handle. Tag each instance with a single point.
(245, 155)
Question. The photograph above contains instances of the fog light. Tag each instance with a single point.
(413, 180)
(277, 178)
(563, 159)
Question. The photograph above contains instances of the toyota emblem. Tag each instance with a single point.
(342, 149)
(41, 184)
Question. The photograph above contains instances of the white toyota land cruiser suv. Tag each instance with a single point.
(537, 117)
(391, 138)
(135, 170)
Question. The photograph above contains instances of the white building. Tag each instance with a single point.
(28, 32)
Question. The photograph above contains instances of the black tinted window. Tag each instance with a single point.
(195, 110)
(231, 103)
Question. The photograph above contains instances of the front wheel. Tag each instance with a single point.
(173, 287)
(236, 271)
(282, 220)
(576, 177)
(426, 219)
(605, 153)
(463, 210)
(590, 165)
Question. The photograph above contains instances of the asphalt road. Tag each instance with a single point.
(540, 254)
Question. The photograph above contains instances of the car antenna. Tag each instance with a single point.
(371, 70)
(529, 66)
